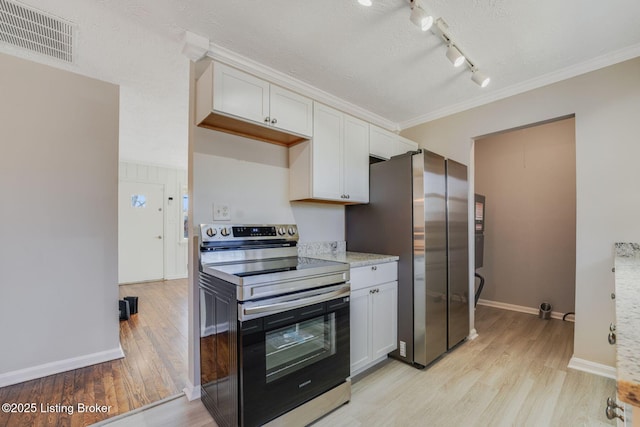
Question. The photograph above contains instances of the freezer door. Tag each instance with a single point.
(430, 257)
(458, 254)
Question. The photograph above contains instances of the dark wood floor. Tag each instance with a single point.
(155, 367)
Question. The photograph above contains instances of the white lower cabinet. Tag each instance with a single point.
(374, 314)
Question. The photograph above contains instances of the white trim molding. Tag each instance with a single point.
(195, 47)
(592, 367)
(229, 57)
(192, 391)
(609, 58)
(26, 374)
(521, 309)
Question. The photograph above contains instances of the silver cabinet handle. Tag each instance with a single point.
(267, 119)
(612, 407)
(274, 121)
(613, 295)
(612, 327)
(612, 338)
(159, 237)
(375, 267)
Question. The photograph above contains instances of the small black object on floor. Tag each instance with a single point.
(128, 306)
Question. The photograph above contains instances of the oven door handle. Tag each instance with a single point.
(297, 303)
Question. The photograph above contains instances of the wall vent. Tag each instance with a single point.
(34, 30)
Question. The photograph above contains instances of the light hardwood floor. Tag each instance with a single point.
(155, 367)
(514, 374)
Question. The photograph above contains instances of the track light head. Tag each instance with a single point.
(420, 17)
(480, 78)
(455, 56)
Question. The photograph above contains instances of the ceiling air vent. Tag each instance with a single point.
(31, 29)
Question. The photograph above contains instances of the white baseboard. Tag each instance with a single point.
(521, 309)
(473, 334)
(176, 276)
(26, 374)
(592, 367)
(192, 392)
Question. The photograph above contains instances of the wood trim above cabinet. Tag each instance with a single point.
(235, 126)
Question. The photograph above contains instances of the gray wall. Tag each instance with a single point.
(529, 179)
(605, 103)
(58, 226)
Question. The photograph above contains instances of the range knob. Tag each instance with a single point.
(281, 231)
(211, 232)
(224, 231)
(292, 231)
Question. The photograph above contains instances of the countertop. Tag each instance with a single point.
(357, 259)
(627, 278)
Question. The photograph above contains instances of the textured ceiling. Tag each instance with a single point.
(372, 57)
(375, 58)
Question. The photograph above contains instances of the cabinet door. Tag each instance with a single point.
(356, 160)
(403, 145)
(360, 329)
(290, 111)
(385, 319)
(327, 153)
(240, 94)
(381, 142)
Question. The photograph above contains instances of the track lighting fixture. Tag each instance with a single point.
(480, 78)
(454, 53)
(419, 16)
(455, 56)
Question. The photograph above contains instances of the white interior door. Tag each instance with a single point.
(140, 232)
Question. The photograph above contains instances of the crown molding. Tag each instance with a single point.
(194, 47)
(610, 58)
(233, 59)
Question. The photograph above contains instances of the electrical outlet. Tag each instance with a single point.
(221, 212)
(403, 349)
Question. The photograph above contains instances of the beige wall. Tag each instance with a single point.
(529, 179)
(58, 223)
(605, 104)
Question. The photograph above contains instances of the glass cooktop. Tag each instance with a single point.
(273, 269)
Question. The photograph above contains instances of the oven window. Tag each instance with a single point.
(295, 346)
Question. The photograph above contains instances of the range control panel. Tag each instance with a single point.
(228, 233)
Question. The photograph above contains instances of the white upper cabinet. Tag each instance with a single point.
(384, 144)
(240, 94)
(328, 161)
(290, 111)
(233, 101)
(356, 160)
(381, 142)
(334, 166)
(402, 145)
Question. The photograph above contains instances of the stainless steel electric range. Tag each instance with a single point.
(274, 327)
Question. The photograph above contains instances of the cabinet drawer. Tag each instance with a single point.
(370, 275)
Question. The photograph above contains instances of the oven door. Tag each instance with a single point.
(291, 357)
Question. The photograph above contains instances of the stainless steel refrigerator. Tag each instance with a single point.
(418, 210)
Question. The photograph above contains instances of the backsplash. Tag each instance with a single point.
(318, 248)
